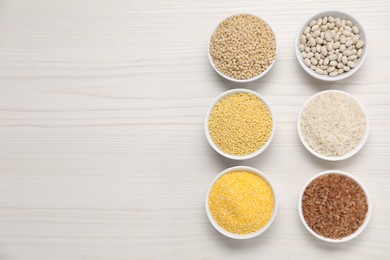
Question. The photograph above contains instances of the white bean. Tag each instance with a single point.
(344, 59)
(324, 51)
(312, 42)
(351, 64)
(315, 28)
(330, 69)
(303, 39)
(319, 71)
(332, 57)
(359, 53)
(359, 44)
(319, 40)
(307, 62)
(326, 61)
(329, 46)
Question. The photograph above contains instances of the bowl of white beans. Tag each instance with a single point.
(331, 45)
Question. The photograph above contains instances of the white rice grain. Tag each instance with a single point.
(333, 124)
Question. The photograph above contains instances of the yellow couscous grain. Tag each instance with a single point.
(240, 124)
(241, 202)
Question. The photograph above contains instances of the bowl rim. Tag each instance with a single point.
(360, 61)
(241, 80)
(208, 136)
(358, 231)
(334, 158)
(253, 234)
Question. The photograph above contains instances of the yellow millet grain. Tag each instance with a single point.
(243, 46)
(240, 124)
(241, 202)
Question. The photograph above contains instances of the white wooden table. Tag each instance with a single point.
(103, 154)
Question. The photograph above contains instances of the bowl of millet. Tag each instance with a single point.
(242, 48)
(239, 124)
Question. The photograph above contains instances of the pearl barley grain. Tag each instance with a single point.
(242, 46)
(331, 39)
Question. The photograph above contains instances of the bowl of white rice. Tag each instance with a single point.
(333, 125)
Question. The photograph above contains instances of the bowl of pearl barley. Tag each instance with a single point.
(331, 45)
(242, 48)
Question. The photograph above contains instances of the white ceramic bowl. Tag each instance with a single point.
(333, 158)
(250, 235)
(343, 15)
(241, 80)
(344, 239)
(210, 140)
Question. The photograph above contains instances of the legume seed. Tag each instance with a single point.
(339, 57)
(343, 39)
(324, 51)
(329, 46)
(307, 62)
(351, 64)
(330, 69)
(312, 42)
(352, 57)
(348, 43)
(359, 44)
(359, 53)
(326, 61)
(344, 59)
(355, 39)
(319, 71)
(333, 57)
(303, 39)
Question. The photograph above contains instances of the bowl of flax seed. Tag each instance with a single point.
(334, 206)
(242, 48)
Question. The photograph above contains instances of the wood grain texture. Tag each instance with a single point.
(103, 154)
